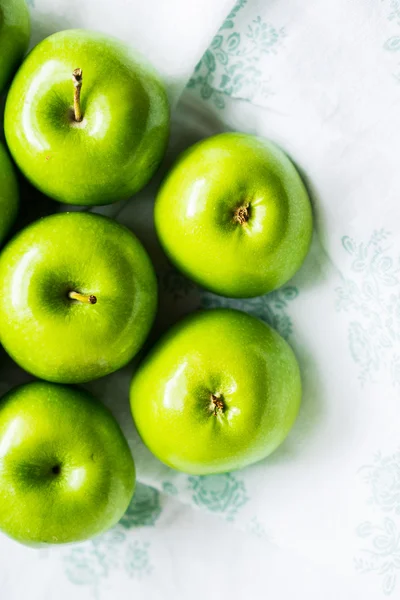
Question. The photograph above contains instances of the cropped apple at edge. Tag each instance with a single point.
(14, 37)
(78, 296)
(66, 470)
(86, 119)
(9, 194)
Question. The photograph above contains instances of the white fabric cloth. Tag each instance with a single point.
(322, 80)
(172, 35)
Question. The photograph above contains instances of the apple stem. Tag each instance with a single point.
(242, 214)
(217, 404)
(77, 81)
(87, 298)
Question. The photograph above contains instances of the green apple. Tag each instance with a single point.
(219, 391)
(9, 197)
(66, 471)
(78, 296)
(14, 37)
(234, 215)
(86, 120)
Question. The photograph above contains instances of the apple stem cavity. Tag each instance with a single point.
(86, 298)
(217, 404)
(242, 214)
(77, 81)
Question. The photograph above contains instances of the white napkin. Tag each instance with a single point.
(172, 35)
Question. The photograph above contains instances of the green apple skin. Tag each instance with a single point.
(9, 194)
(14, 37)
(61, 339)
(121, 140)
(234, 357)
(66, 471)
(196, 224)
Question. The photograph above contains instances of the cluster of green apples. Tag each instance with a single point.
(78, 292)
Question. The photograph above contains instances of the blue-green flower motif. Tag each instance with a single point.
(90, 563)
(232, 42)
(361, 349)
(270, 308)
(392, 44)
(380, 546)
(382, 555)
(144, 509)
(372, 296)
(230, 19)
(137, 560)
(394, 14)
(86, 564)
(395, 370)
(93, 562)
(256, 528)
(383, 477)
(222, 494)
(230, 66)
(169, 488)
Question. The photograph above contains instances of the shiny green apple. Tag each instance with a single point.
(9, 197)
(234, 215)
(86, 119)
(66, 471)
(220, 391)
(78, 296)
(14, 37)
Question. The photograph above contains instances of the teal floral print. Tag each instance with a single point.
(271, 308)
(380, 551)
(137, 561)
(392, 44)
(144, 510)
(169, 488)
(93, 562)
(383, 553)
(257, 528)
(372, 297)
(394, 14)
(231, 65)
(395, 370)
(221, 494)
(383, 478)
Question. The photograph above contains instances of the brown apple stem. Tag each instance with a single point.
(88, 299)
(217, 404)
(242, 214)
(77, 81)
